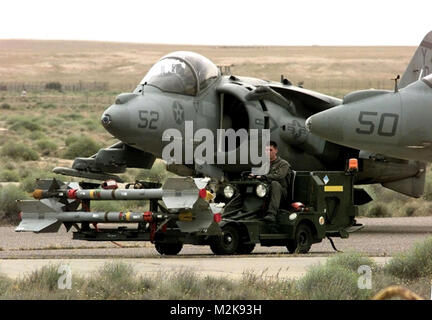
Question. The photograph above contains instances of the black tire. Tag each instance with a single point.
(228, 243)
(168, 249)
(303, 240)
(245, 248)
(291, 246)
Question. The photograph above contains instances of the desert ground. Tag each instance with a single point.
(123, 65)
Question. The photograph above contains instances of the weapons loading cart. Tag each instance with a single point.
(325, 206)
(320, 204)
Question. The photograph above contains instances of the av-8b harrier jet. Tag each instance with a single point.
(185, 93)
(396, 123)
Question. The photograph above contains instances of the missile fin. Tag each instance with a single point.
(39, 216)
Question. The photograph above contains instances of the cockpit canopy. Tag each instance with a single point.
(182, 72)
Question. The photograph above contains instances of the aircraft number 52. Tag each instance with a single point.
(148, 120)
(369, 121)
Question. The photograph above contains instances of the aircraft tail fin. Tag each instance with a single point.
(420, 64)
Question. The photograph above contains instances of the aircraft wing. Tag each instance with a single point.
(311, 100)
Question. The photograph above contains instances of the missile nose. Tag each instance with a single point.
(327, 124)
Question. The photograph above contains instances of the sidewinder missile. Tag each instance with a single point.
(185, 199)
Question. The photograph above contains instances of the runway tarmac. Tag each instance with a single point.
(381, 238)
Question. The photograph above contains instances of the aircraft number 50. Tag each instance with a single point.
(369, 121)
(146, 121)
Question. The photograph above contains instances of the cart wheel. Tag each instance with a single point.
(228, 243)
(303, 240)
(244, 248)
(291, 246)
(169, 249)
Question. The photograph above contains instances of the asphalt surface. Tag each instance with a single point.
(381, 238)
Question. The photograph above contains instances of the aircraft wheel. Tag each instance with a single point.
(228, 243)
(244, 248)
(168, 249)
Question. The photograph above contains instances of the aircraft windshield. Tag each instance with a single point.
(182, 72)
(428, 80)
(172, 75)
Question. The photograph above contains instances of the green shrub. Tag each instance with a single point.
(107, 205)
(9, 176)
(49, 106)
(116, 205)
(351, 261)
(71, 139)
(28, 178)
(19, 151)
(8, 207)
(114, 281)
(44, 279)
(5, 106)
(413, 264)
(378, 210)
(157, 173)
(3, 139)
(90, 124)
(24, 123)
(8, 164)
(46, 147)
(36, 135)
(55, 122)
(82, 147)
(331, 282)
(5, 283)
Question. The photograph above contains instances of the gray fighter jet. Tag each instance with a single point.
(185, 87)
(394, 123)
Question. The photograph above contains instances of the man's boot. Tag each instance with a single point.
(270, 216)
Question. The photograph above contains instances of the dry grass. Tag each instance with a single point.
(337, 279)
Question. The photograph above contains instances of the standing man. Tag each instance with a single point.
(279, 171)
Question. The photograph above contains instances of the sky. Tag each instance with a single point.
(222, 22)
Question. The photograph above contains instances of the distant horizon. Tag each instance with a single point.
(207, 45)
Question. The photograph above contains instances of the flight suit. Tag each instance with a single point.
(279, 172)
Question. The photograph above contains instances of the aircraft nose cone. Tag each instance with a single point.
(327, 124)
(115, 120)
